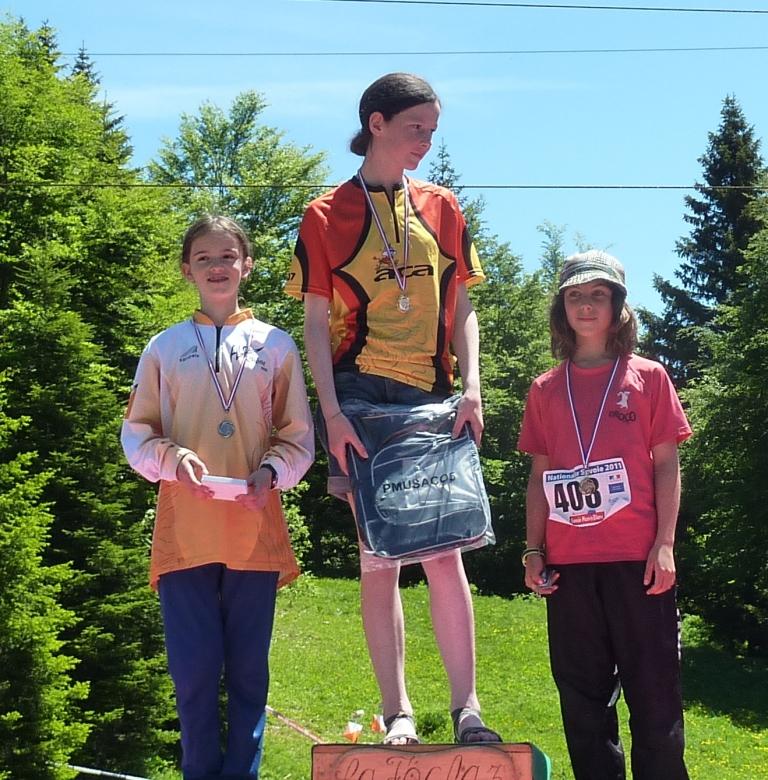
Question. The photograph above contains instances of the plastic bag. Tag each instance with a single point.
(419, 491)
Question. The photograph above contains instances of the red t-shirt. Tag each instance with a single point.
(642, 410)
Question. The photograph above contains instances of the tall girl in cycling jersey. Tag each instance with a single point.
(383, 263)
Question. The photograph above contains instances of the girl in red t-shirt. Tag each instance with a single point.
(603, 428)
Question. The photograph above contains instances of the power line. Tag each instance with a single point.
(473, 53)
(565, 6)
(325, 186)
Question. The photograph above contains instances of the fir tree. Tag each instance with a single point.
(83, 66)
(79, 270)
(721, 227)
(726, 493)
(511, 311)
(442, 172)
(39, 724)
(48, 43)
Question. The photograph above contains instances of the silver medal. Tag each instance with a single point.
(226, 428)
(404, 303)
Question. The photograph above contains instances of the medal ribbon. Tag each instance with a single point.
(585, 456)
(225, 402)
(402, 282)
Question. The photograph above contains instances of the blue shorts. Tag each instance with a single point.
(377, 390)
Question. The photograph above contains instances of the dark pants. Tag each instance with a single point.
(218, 619)
(607, 634)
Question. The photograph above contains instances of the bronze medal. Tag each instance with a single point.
(587, 485)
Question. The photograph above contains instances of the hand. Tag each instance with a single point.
(259, 488)
(189, 472)
(659, 569)
(470, 410)
(340, 435)
(534, 576)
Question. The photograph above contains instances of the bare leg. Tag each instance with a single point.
(384, 626)
(454, 625)
(383, 622)
(453, 621)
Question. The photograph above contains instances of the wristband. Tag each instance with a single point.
(270, 467)
(529, 551)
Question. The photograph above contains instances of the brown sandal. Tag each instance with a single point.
(471, 734)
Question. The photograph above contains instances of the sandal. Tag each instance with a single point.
(400, 726)
(471, 734)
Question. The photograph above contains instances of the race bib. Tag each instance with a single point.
(587, 496)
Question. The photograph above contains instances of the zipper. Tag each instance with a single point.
(217, 365)
(393, 212)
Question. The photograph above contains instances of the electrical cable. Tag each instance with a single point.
(446, 53)
(325, 186)
(561, 6)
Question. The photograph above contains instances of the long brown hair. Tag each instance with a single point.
(622, 336)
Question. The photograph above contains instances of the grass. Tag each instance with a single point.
(321, 675)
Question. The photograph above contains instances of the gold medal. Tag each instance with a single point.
(226, 428)
(588, 486)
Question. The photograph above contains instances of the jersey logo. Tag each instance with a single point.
(388, 273)
(623, 400)
(190, 353)
(382, 262)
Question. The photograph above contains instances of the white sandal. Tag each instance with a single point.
(400, 726)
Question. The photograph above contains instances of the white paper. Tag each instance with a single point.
(225, 488)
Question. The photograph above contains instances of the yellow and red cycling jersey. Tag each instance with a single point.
(340, 255)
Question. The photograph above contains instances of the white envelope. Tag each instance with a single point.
(225, 488)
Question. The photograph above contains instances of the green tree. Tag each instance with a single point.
(721, 226)
(552, 253)
(39, 724)
(57, 381)
(83, 66)
(231, 163)
(511, 309)
(725, 577)
(80, 266)
(108, 246)
(442, 172)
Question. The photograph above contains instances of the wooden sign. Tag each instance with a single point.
(489, 761)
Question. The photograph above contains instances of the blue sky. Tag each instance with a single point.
(544, 119)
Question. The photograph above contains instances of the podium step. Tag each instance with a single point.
(489, 761)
